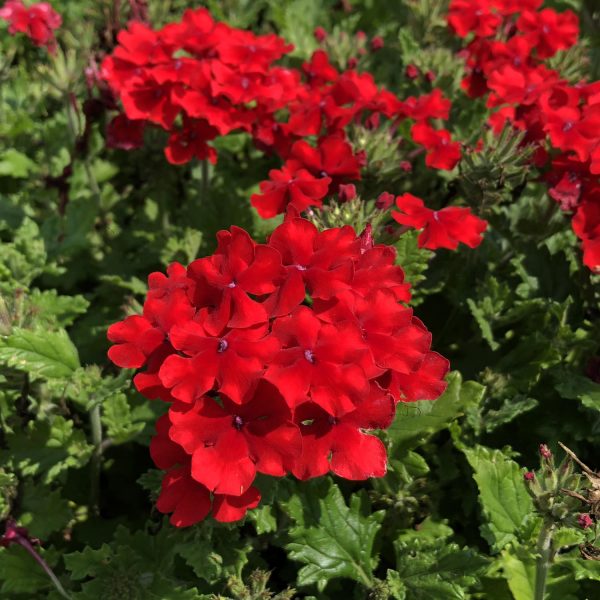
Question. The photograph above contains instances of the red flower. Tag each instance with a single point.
(339, 444)
(320, 360)
(238, 268)
(125, 134)
(135, 339)
(549, 31)
(443, 228)
(233, 360)
(586, 224)
(289, 189)
(229, 343)
(190, 143)
(442, 152)
(37, 21)
(230, 443)
(317, 263)
(466, 16)
(333, 157)
(190, 501)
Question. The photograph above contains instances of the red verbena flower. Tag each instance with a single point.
(444, 228)
(37, 21)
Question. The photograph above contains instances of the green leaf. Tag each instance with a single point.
(44, 511)
(417, 421)
(502, 495)
(20, 574)
(87, 562)
(120, 424)
(413, 260)
(47, 448)
(51, 307)
(431, 567)
(519, 571)
(332, 539)
(15, 164)
(577, 387)
(42, 354)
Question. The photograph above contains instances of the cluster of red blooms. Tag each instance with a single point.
(199, 79)
(505, 61)
(37, 21)
(275, 358)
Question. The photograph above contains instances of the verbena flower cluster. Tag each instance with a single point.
(507, 62)
(199, 79)
(275, 358)
(37, 21)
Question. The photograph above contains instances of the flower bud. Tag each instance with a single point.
(384, 201)
(545, 452)
(377, 43)
(529, 476)
(320, 34)
(352, 62)
(584, 520)
(411, 72)
(346, 192)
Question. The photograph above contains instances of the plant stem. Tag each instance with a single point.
(544, 559)
(96, 464)
(25, 543)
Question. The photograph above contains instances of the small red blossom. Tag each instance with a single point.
(37, 21)
(289, 189)
(346, 192)
(377, 43)
(442, 152)
(444, 228)
(478, 16)
(529, 476)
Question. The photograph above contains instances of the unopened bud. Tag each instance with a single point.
(545, 452)
(384, 201)
(377, 43)
(584, 520)
(412, 72)
(366, 239)
(529, 476)
(320, 34)
(346, 192)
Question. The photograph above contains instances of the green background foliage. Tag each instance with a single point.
(517, 317)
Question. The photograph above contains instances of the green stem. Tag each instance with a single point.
(96, 464)
(544, 559)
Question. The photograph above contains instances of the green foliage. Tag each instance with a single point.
(517, 318)
(330, 537)
(504, 500)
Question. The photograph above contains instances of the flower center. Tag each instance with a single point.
(223, 345)
(299, 267)
(238, 422)
(567, 126)
(309, 356)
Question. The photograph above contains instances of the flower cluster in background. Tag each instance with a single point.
(507, 63)
(275, 358)
(37, 21)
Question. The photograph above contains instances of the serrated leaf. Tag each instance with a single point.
(44, 511)
(53, 308)
(120, 424)
(502, 495)
(42, 354)
(417, 421)
(577, 387)
(332, 539)
(47, 448)
(15, 164)
(87, 562)
(431, 567)
(20, 574)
